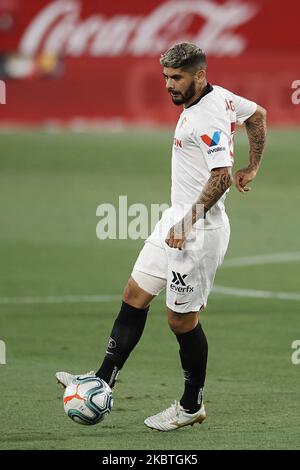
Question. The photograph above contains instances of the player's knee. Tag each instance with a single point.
(133, 295)
(130, 293)
(182, 323)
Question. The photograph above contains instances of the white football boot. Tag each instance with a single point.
(175, 417)
(64, 378)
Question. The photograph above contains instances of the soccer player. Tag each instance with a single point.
(190, 240)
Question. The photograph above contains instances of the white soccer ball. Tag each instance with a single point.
(88, 400)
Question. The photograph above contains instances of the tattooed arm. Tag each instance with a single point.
(220, 180)
(257, 130)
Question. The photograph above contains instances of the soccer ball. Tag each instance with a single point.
(87, 400)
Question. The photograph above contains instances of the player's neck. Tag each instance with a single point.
(197, 96)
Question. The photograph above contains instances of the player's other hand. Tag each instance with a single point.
(176, 236)
(243, 177)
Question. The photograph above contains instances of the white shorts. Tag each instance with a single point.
(187, 275)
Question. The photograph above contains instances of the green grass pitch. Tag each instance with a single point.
(50, 186)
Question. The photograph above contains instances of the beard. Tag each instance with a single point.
(181, 98)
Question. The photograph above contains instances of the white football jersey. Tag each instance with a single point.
(203, 140)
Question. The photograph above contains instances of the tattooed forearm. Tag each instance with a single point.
(220, 180)
(257, 130)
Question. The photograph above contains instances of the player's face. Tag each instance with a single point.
(181, 85)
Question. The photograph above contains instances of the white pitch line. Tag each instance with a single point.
(221, 290)
(235, 262)
(257, 294)
(261, 259)
(59, 299)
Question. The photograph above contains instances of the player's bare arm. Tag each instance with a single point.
(220, 180)
(256, 127)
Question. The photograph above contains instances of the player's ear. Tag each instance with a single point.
(201, 75)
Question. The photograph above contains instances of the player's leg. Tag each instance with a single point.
(193, 274)
(147, 280)
(193, 351)
(126, 332)
(193, 355)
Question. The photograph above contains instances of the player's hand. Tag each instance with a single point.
(177, 236)
(243, 177)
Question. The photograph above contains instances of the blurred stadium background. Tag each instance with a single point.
(85, 118)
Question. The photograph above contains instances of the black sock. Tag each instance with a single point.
(126, 332)
(193, 355)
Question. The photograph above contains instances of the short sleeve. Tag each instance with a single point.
(243, 108)
(215, 146)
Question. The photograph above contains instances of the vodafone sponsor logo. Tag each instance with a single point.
(58, 28)
(217, 149)
(212, 142)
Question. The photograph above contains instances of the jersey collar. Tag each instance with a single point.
(205, 92)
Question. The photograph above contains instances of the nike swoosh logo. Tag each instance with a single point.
(180, 303)
(189, 422)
